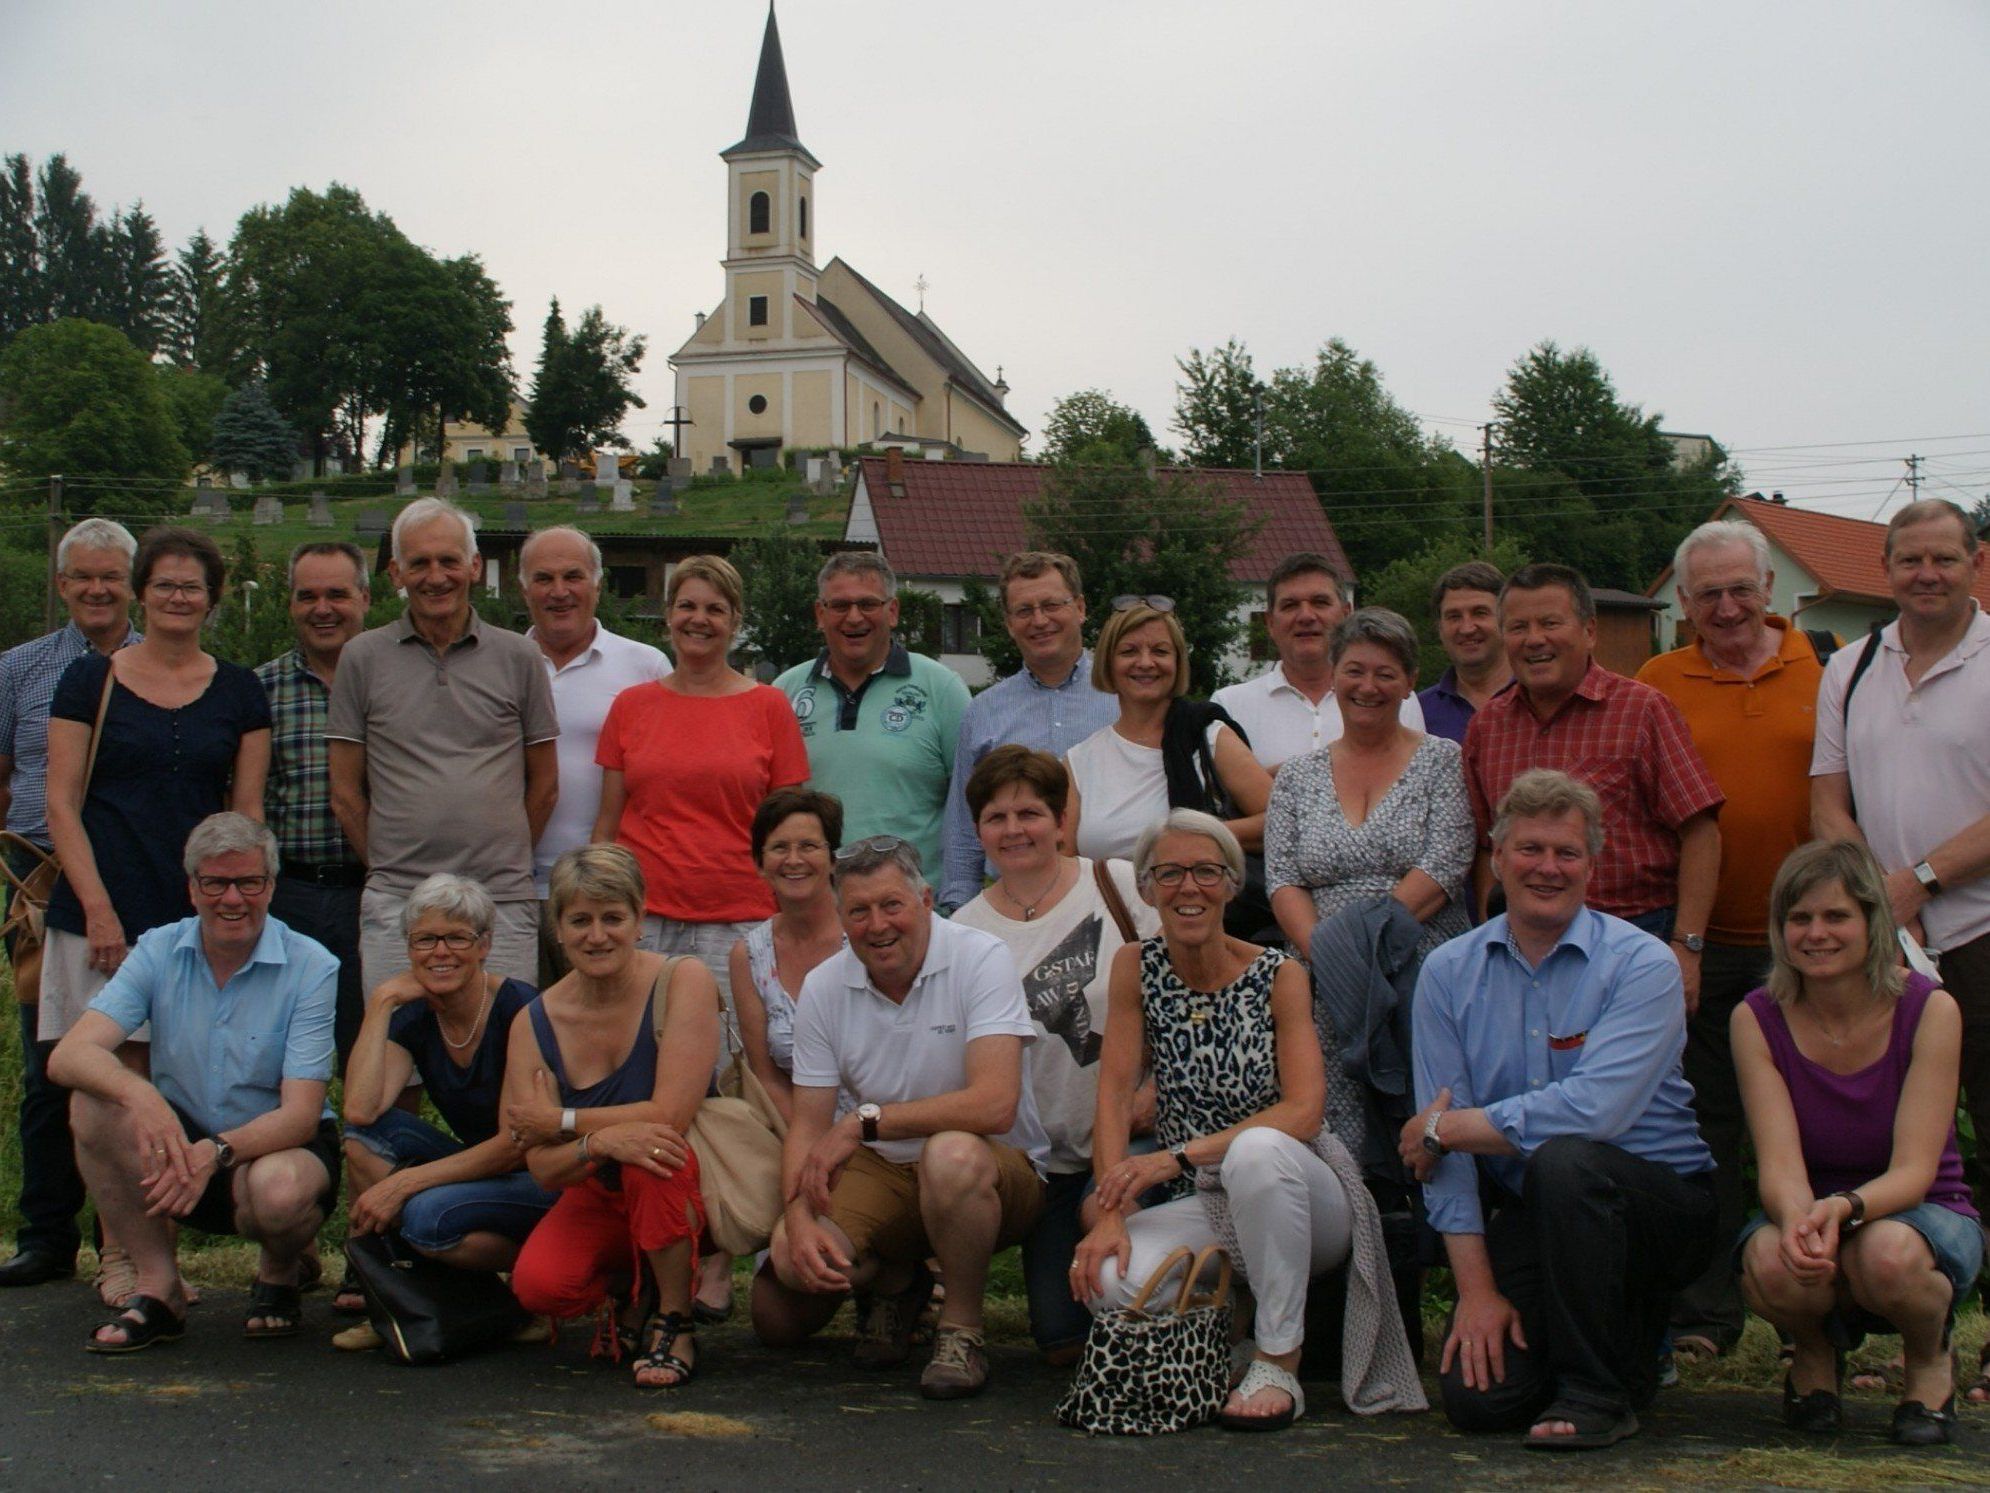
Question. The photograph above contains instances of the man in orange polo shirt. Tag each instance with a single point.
(1747, 687)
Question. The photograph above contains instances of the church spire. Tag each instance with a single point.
(770, 123)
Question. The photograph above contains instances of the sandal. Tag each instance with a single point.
(1263, 1374)
(615, 1339)
(660, 1333)
(1889, 1378)
(272, 1303)
(1979, 1391)
(1914, 1424)
(347, 1298)
(1695, 1347)
(1820, 1412)
(116, 1279)
(145, 1320)
(1594, 1429)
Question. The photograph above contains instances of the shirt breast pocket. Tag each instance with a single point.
(255, 1059)
(1614, 783)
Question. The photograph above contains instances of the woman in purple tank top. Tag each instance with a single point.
(1848, 1070)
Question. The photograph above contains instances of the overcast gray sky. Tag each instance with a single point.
(1769, 220)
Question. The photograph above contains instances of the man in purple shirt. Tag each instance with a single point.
(1465, 603)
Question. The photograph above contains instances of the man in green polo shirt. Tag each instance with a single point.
(880, 721)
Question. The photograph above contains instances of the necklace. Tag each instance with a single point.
(1839, 1039)
(475, 1022)
(1029, 910)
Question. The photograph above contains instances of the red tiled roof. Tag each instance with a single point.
(1841, 554)
(962, 518)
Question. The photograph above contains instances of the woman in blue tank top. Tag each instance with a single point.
(602, 1083)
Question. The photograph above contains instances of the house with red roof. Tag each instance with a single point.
(1830, 573)
(938, 523)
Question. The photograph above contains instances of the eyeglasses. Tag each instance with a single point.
(1152, 603)
(169, 590)
(217, 886)
(1206, 873)
(1713, 595)
(793, 847)
(843, 606)
(1050, 611)
(456, 943)
(876, 845)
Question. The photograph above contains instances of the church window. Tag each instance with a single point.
(801, 215)
(757, 404)
(759, 213)
(756, 311)
(877, 425)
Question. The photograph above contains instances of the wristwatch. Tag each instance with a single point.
(1857, 1204)
(569, 1127)
(868, 1116)
(224, 1154)
(1431, 1143)
(1693, 943)
(1180, 1155)
(1930, 883)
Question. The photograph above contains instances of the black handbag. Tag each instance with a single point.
(425, 1311)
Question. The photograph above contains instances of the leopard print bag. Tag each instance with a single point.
(1148, 1373)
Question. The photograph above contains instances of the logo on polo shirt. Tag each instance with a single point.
(945, 1028)
(805, 703)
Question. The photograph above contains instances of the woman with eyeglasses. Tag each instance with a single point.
(463, 1198)
(184, 735)
(1165, 751)
(1227, 1030)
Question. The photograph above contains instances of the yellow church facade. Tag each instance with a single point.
(800, 356)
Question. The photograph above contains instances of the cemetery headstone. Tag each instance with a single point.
(480, 476)
(678, 468)
(269, 510)
(797, 508)
(404, 482)
(622, 496)
(589, 500)
(445, 480)
(663, 500)
(371, 525)
(535, 479)
(516, 516)
(321, 511)
(721, 466)
(569, 469)
(511, 475)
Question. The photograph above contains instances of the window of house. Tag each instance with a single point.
(757, 404)
(756, 311)
(521, 454)
(801, 215)
(876, 424)
(475, 453)
(960, 628)
(759, 213)
(627, 581)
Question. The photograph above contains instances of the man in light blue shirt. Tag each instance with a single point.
(1049, 704)
(231, 1133)
(1557, 1145)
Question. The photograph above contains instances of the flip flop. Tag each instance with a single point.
(145, 1320)
(1594, 1429)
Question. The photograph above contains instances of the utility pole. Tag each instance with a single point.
(54, 543)
(1914, 478)
(1485, 472)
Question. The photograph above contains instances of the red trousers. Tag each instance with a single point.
(594, 1233)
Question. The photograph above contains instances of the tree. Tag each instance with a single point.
(23, 295)
(1216, 406)
(250, 436)
(1404, 585)
(195, 333)
(135, 285)
(778, 572)
(76, 398)
(1135, 532)
(195, 400)
(583, 387)
(67, 243)
(1092, 426)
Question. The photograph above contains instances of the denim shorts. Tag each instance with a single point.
(1954, 1239)
(438, 1218)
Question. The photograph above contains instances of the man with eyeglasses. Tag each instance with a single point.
(1747, 688)
(1290, 710)
(93, 578)
(880, 721)
(229, 1133)
(1049, 705)
(938, 1152)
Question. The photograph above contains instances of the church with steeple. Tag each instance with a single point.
(797, 355)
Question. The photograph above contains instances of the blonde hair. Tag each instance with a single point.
(1543, 793)
(1118, 625)
(715, 572)
(1847, 864)
(600, 873)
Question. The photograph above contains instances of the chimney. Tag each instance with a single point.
(699, 318)
(894, 466)
(1776, 497)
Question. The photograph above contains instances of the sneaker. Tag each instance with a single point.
(886, 1322)
(360, 1339)
(959, 1367)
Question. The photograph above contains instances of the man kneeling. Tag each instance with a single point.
(922, 1024)
(1557, 1148)
(231, 1135)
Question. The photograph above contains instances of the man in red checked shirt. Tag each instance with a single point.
(1662, 848)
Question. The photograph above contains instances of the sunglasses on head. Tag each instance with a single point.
(878, 844)
(1152, 603)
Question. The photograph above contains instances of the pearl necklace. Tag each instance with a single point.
(475, 1022)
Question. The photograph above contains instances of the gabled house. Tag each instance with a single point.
(938, 523)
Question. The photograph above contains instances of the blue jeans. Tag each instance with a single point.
(1954, 1239)
(438, 1218)
(1056, 1320)
(51, 1187)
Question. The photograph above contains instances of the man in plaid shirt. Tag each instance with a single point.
(1661, 847)
(318, 890)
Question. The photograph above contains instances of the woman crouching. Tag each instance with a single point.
(602, 1084)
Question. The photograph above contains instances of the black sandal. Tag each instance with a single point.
(1594, 1428)
(270, 1302)
(1822, 1410)
(1914, 1424)
(659, 1333)
(144, 1320)
(347, 1298)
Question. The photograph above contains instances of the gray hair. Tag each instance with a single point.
(1387, 630)
(424, 511)
(96, 534)
(857, 562)
(1188, 822)
(1543, 793)
(1718, 532)
(457, 898)
(567, 531)
(229, 833)
(874, 854)
(342, 547)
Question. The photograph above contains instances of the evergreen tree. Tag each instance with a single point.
(70, 248)
(23, 292)
(548, 419)
(584, 386)
(136, 282)
(252, 437)
(195, 331)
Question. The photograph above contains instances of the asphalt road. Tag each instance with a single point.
(217, 1411)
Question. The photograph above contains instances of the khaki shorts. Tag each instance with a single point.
(876, 1203)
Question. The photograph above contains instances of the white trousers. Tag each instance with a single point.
(1292, 1221)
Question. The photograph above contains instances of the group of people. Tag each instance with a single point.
(1078, 963)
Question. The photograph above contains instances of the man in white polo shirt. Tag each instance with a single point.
(1290, 710)
(922, 1024)
(560, 569)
